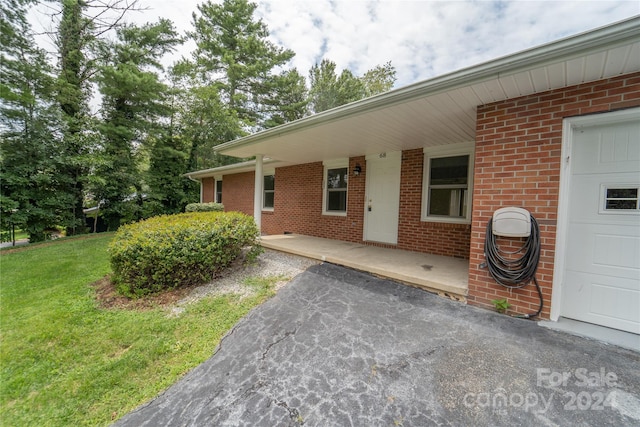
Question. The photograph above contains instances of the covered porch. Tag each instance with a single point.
(444, 275)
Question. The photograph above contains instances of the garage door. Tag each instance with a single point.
(602, 260)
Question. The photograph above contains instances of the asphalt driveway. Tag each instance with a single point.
(337, 347)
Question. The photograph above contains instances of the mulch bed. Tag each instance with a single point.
(108, 298)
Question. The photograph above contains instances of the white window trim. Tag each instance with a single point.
(333, 164)
(268, 172)
(215, 187)
(466, 148)
(603, 199)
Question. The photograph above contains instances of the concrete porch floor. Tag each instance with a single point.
(431, 272)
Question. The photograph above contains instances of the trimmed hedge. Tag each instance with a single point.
(169, 251)
(204, 207)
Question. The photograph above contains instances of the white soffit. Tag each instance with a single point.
(443, 110)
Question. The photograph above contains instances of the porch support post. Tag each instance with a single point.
(257, 195)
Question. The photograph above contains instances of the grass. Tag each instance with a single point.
(20, 234)
(65, 361)
(6, 237)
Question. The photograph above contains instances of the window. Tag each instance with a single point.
(448, 179)
(337, 190)
(447, 184)
(621, 199)
(218, 191)
(268, 192)
(336, 178)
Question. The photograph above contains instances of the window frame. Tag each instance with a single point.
(217, 193)
(613, 186)
(331, 165)
(454, 150)
(265, 174)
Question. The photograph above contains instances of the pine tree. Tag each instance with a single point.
(31, 185)
(203, 120)
(329, 90)
(80, 34)
(288, 100)
(169, 190)
(235, 55)
(74, 35)
(134, 106)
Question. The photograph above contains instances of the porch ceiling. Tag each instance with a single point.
(443, 110)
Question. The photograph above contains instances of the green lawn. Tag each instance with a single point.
(65, 361)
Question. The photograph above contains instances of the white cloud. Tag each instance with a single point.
(422, 39)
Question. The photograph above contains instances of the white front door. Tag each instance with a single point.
(602, 259)
(382, 198)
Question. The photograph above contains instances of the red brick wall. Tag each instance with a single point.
(298, 207)
(208, 190)
(413, 233)
(237, 192)
(517, 163)
(298, 204)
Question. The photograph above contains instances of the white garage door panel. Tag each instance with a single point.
(604, 300)
(621, 252)
(606, 250)
(586, 198)
(608, 148)
(601, 281)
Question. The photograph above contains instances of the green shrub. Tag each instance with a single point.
(204, 207)
(169, 251)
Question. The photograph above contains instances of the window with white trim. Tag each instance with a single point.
(218, 195)
(447, 183)
(336, 180)
(268, 192)
(620, 199)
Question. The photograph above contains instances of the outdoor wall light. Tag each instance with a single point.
(357, 169)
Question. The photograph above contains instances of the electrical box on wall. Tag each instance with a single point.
(511, 222)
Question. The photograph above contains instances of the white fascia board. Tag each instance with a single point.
(206, 173)
(248, 166)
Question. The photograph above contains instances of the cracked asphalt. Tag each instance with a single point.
(337, 347)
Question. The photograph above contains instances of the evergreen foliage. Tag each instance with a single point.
(134, 105)
(166, 252)
(234, 53)
(202, 119)
(330, 90)
(204, 207)
(32, 188)
(75, 36)
(57, 156)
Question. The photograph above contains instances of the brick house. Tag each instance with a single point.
(554, 130)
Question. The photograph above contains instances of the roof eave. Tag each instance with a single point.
(247, 166)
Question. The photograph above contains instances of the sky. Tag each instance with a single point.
(422, 39)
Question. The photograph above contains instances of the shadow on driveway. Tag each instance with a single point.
(337, 347)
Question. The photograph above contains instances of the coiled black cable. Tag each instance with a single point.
(515, 272)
